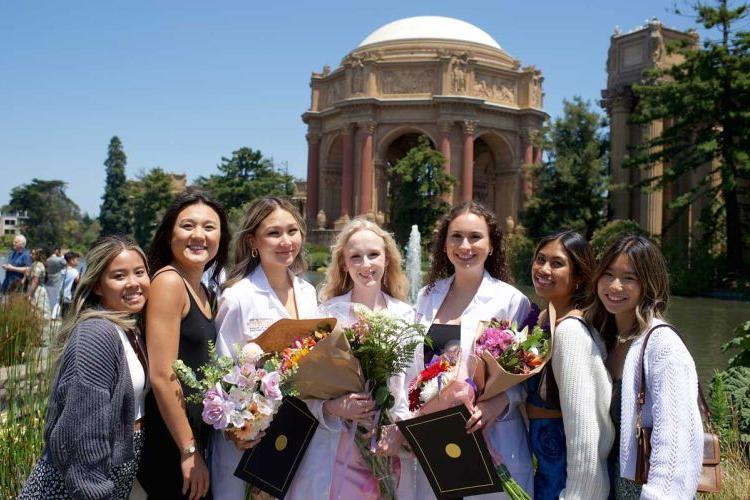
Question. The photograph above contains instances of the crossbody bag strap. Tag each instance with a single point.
(642, 380)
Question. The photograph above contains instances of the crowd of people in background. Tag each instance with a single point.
(117, 412)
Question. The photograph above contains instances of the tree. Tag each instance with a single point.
(49, 211)
(245, 176)
(571, 185)
(151, 195)
(114, 215)
(418, 185)
(704, 103)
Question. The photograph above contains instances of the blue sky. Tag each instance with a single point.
(185, 83)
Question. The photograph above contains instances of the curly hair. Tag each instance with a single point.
(495, 264)
(338, 281)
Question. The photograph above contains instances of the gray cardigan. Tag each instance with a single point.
(89, 427)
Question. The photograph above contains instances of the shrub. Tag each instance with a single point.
(519, 252)
(608, 233)
(21, 329)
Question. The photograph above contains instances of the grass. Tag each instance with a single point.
(25, 377)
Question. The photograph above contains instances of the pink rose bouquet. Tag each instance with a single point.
(237, 396)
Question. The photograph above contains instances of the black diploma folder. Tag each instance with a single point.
(457, 464)
(272, 463)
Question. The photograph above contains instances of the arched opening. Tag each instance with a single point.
(395, 151)
(495, 179)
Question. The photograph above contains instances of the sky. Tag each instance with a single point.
(183, 83)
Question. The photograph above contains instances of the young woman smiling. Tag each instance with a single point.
(467, 283)
(570, 431)
(93, 435)
(262, 287)
(192, 236)
(366, 269)
(632, 290)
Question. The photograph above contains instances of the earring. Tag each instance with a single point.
(254, 253)
(491, 250)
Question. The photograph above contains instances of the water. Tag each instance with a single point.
(705, 324)
(414, 264)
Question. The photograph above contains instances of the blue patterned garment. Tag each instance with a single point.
(547, 443)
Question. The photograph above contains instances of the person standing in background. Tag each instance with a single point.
(55, 267)
(69, 281)
(19, 261)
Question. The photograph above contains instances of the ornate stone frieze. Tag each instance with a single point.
(333, 93)
(495, 88)
(407, 81)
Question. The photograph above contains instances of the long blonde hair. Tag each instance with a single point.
(338, 281)
(244, 260)
(86, 304)
(650, 270)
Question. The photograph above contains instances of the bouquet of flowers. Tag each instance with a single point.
(287, 362)
(236, 395)
(431, 381)
(506, 355)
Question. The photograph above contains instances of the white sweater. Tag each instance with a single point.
(671, 408)
(585, 394)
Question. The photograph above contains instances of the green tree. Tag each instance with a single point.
(245, 176)
(418, 183)
(114, 214)
(49, 211)
(151, 195)
(704, 102)
(572, 183)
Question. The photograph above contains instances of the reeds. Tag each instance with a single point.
(26, 367)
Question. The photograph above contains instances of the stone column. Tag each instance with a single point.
(618, 106)
(467, 170)
(313, 174)
(527, 188)
(445, 150)
(366, 172)
(347, 169)
(651, 202)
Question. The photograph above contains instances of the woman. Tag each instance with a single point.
(366, 269)
(192, 236)
(570, 431)
(467, 284)
(37, 274)
(262, 287)
(632, 290)
(93, 434)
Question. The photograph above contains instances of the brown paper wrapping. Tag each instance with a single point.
(490, 377)
(330, 370)
(284, 332)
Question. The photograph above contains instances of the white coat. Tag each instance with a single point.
(400, 411)
(508, 434)
(245, 310)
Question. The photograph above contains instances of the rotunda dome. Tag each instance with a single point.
(430, 28)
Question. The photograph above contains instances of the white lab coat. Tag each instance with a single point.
(400, 411)
(508, 435)
(245, 310)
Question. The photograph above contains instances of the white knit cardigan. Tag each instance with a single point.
(585, 391)
(671, 408)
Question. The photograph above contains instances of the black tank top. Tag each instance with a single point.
(159, 471)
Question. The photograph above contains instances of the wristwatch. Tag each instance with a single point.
(189, 450)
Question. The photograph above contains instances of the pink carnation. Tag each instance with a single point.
(495, 341)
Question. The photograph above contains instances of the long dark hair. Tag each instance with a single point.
(160, 249)
(582, 262)
(650, 270)
(495, 264)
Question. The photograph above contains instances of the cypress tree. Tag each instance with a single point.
(114, 215)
